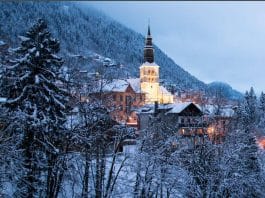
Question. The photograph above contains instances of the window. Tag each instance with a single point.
(114, 97)
(121, 97)
(182, 120)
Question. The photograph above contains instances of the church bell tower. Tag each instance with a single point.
(149, 72)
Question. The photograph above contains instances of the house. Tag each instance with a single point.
(186, 118)
(122, 97)
(218, 119)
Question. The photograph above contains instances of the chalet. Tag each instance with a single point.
(186, 117)
(218, 119)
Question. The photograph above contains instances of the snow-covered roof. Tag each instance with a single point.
(149, 64)
(223, 111)
(163, 90)
(170, 108)
(148, 108)
(135, 84)
(116, 86)
(120, 85)
(179, 107)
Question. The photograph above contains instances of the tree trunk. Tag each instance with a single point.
(28, 182)
(98, 189)
(86, 177)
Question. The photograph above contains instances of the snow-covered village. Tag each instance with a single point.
(93, 105)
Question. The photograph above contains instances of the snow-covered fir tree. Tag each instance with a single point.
(249, 109)
(157, 167)
(240, 165)
(33, 93)
(261, 109)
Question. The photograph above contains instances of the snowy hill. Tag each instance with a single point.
(88, 35)
(226, 89)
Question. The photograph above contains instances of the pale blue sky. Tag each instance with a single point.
(214, 41)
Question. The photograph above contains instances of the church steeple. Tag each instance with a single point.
(149, 32)
(148, 48)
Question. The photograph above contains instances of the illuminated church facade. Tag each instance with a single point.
(149, 76)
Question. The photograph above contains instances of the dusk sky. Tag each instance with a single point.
(214, 41)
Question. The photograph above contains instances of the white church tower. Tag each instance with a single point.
(149, 76)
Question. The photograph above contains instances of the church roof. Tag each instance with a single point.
(116, 86)
(135, 84)
(120, 85)
(163, 90)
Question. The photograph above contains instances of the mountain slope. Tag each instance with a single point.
(225, 89)
(84, 31)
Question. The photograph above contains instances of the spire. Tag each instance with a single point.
(148, 32)
(148, 48)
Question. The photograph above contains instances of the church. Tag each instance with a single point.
(129, 94)
(149, 77)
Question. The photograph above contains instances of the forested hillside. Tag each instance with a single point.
(86, 33)
(55, 142)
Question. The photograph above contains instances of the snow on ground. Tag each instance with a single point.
(72, 186)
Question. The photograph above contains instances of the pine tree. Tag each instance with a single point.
(41, 104)
(249, 109)
(262, 111)
(242, 173)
